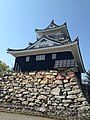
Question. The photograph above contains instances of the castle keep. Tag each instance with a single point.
(53, 49)
(47, 78)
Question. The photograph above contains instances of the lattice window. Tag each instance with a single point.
(40, 57)
(65, 63)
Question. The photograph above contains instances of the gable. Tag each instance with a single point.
(52, 25)
(44, 42)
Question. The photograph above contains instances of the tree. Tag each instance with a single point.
(4, 68)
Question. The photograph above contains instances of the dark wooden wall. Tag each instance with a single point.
(33, 65)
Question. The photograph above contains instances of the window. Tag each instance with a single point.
(65, 63)
(27, 59)
(40, 57)
(53, 56)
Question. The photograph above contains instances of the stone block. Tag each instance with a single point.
(14, 102)
(36, 83)
(42, 97)
(21, 99)
(31, 104)
(58, 82)
(66, 104)
(10, 90)
(55, 91)
(28, 85)
(74, 79)
(50, 76)
(44, 93)
(80, 95)
(67, 85)
(76, 91)
(15, 84)
(27, 76)
(61, 86)
(71, 96)
(35, 90)
(73, 83)
(18, 95)
(44, 81)
(50, 81)
(59, 77)
(25, 103)
(75, 87)
(30, 89)
(39, 80)
(41, 72)
(39, 76)
(30, 99)
(66, 101)
(61, 97)
(84, 108)
(54, 104)
(4, 92)
(17, 88)
(32, 73)
(81, 99)
(7, 97)
(37, 101)
(41, 90)
(85, 103)
(26, 92)
(49, 102)
(42, 109)
(52, 86)
(73, 106)
(48, 73)
(55, 73)
(66, 89)
(1, 100)
(65, 81)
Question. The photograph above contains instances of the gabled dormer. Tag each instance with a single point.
(44, 42)
(59, 33)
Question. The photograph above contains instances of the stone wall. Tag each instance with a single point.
(50, 94)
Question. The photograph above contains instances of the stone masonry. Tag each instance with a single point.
(44, 93)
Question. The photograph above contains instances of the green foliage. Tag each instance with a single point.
(4, 68)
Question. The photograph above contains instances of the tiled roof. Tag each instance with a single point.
(51, 26)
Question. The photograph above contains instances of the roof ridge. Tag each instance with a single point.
(51, 23)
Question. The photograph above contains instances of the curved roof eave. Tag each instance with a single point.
(22, 50)
(29, 47)
(73, 47)
(48, 29)
(41, 31)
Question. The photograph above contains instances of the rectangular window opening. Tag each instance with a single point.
(40, 57)
(53, 56)
(27, 59)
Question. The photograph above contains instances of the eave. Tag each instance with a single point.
(41, 32)
(49, 29)
(73, 47)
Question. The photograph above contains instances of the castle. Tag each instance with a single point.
(53, 49)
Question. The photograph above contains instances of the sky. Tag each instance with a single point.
(19, 18)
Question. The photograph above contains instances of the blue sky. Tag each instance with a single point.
(19, 18)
